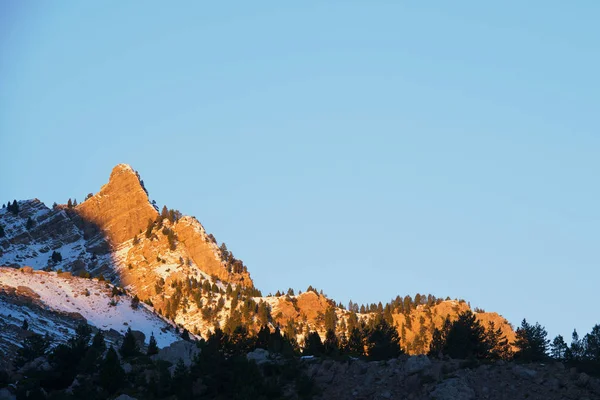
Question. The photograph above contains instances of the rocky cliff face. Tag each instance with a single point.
(121, 208)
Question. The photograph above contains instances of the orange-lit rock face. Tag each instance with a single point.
(121, 208)
(434, 318)
(204, 253)
(305, 307)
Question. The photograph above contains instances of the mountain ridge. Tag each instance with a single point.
(172, 263)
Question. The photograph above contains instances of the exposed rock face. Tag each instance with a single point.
(181, 350)
(59, 229)
(395, 379)
(121, 208)
(307, 306)
(433, 317)
(259, 356)
(417, 364)
(205, 253)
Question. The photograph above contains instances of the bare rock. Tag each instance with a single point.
(183, 350)
(127, 368)
(452, 389)
(583, 380)
(140, 337)
(259, 356)
(121, 208)
(417, 364)
(524, 373)
(5, 394)
(125, 397)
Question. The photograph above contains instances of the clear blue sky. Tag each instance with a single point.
(366, 148)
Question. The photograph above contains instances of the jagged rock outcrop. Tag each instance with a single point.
(182, 350)
(121, 208)
(32, 235)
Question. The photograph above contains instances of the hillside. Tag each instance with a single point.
(170, 262)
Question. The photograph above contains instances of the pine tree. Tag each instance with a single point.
(576, 351)
(330, 319)
(313, 345)
(69, 203)
(149, 228)
(466, 338)
(56, 257)
(531, 342)
(592, 344)
(33, 346)
(135, 302)
(224, 252)
(112, 375)
(152, 346)
(496, 343)
(262, 338)
(331, 344)
(181, 381)
(2, 233)
(29, 224)
(352, 321)
(81, 340)
(129, 347)
(382, 341)
(98, 342)
(438, 339)
(25, 325)
(558, 348)
(355, 346)
(172, 240)
(14, 208)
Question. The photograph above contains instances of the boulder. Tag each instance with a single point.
(417, 364)
(178, 350)
(452, 389)
(140, 337)
(259, 356)
(125, 397)
(583, 379)
(524, 373)
(5, 394)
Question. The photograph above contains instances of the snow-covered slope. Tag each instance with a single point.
(90, 298)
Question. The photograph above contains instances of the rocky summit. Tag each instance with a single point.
(121, 208)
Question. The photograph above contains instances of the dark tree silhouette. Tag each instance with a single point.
(355, 346)
(112, 375)
(331, 344)
(558, 348)
(531, 342)
(129, 347)
(152, 346)
(313, 345)
(383, 341)
(33, 346)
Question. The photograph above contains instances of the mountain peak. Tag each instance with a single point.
(120, 169)
(121, 208)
